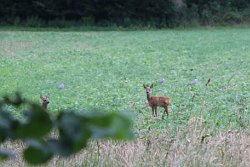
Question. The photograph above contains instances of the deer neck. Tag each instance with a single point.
(149, 96)
(44, 106)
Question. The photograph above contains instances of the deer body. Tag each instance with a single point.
(155, 101)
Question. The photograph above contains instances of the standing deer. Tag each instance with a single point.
(45, 101)
(155, 101)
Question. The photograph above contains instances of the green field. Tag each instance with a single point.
(106, 70)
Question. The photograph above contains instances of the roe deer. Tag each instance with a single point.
(155, 101)
(45, 102)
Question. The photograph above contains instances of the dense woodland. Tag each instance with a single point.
(155, 13)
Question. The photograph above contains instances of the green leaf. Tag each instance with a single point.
(60, 148)
(70, 126)
(99, 118)
(38, 152)
(38, 123)
(73, 130)
(7, 125)
(111, 125)
(5, 120)
(120, 127)
(2, 136)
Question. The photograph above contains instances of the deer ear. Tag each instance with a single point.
(151, 86)
(41, 97)
(144, 86)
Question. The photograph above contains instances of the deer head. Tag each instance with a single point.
(45, 101)
(148, 89)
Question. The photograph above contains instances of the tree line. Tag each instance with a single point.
(158, 13)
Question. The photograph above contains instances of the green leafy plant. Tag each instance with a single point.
(74, 130)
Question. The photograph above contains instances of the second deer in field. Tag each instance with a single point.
(155, 101)
(45, 101)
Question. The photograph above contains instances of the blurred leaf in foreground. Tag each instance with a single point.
(74, 129)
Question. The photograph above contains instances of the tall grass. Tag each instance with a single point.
(188, 147)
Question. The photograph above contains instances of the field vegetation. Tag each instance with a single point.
(208, 124)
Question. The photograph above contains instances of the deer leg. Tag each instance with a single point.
(166, 110)
(153, 112)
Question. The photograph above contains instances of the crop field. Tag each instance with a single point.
(206, 73)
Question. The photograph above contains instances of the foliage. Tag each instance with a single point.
(156, 13)
(74, 130)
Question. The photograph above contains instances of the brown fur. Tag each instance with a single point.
(155, 101)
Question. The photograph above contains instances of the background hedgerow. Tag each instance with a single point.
(130, 13)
